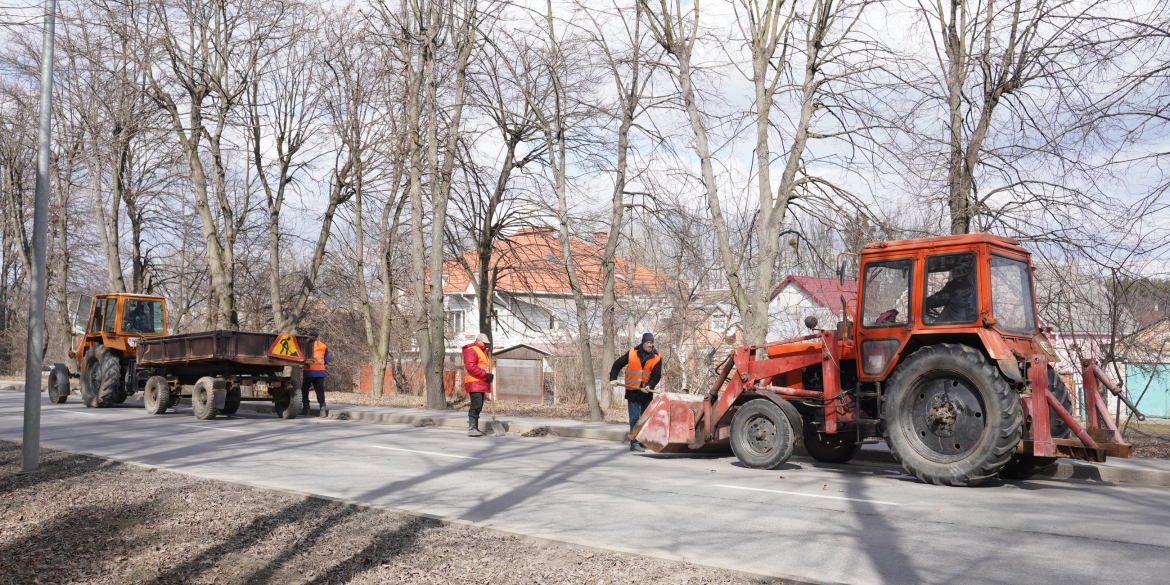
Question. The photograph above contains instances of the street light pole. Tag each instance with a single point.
(31, 452)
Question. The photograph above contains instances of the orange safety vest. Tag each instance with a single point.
(637, 373)
(317, 361)
(483, 362)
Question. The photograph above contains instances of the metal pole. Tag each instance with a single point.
(31, 453)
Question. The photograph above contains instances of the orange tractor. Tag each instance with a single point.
(941, 355)
(106, 332)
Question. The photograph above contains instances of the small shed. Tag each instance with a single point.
(520, 374)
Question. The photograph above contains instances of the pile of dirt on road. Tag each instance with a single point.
(614, 414)
(82, 519)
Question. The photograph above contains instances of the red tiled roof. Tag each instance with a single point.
(530, 261)
(822, 290)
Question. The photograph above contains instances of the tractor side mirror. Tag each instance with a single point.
(847, 266)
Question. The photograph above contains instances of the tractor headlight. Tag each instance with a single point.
(132, 342)
(876, 355)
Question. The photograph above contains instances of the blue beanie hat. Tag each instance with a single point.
(647, 337)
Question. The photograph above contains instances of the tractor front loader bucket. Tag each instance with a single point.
(668, 424)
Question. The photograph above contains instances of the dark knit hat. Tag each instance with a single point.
(647, 337)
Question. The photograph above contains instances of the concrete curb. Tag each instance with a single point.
(1105, 474)
(446, 420)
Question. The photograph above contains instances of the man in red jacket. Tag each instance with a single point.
(478, 380)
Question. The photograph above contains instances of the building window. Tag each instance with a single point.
(718, 322)
(453, 322)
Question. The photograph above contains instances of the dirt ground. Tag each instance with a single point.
(82, 519)
(1149, 439)
(615, 414)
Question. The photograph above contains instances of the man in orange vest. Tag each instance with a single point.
(314, 373)
(643, 366)
(478, 380)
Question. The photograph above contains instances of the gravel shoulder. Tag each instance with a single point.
(82, 519)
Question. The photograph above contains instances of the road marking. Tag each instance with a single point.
(210, 428)
(426, 452)
(736, 487)
(69, 412)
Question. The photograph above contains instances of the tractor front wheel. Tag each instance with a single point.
(826, 448)
(59, 384)
(761, 436)
(950, 418)
(101, 380)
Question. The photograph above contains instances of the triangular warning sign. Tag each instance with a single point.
(285, 348)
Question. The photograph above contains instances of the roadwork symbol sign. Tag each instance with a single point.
(285, 348)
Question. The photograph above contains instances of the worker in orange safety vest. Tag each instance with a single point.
(643, 366)
(478, 379)
(313, 374)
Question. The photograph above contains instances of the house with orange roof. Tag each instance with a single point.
(533, 301)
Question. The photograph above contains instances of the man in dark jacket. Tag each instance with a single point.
(643, 367)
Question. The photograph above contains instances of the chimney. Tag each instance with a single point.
(600, 239)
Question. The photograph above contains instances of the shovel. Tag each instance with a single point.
(497, 426)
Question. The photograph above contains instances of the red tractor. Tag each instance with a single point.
(941, 355)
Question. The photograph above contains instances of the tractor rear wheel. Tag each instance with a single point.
(826, 448)
(761, 436)
(1024, 466)
(59, 384)
(203, 399)
(949, 417)
(101, 379)
(157, 395)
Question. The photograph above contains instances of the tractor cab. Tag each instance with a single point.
(975, 290)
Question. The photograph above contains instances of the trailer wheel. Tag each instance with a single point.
(59, 384)
(950, 418)
(826, 448)
(101, 377)
(157, 395)
(1024, 466)
(761, 436)
(231, 403)
(203, 399)
(286, 407)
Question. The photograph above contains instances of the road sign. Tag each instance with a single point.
(285, 348)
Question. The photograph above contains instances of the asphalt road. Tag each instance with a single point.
(822, 524)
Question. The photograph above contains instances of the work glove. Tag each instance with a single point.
(617, 383)
(490, 377)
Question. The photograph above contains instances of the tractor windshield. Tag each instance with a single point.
(887, 293)
(142, 316)
(1011, 295)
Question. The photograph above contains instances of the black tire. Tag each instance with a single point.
(286, 407)
(826, 448)
(1024, 466)
(101, 378)
(156, 397)
(231, 403)
(120, 397)
(949, 417)
(58, 384)
(761, 436)
(203, 399)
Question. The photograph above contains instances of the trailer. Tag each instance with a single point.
(220, 369)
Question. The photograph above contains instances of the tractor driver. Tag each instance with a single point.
(955, 302)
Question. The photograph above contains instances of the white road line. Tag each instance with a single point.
(211, 428)
(425, 452)
(736, 487)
